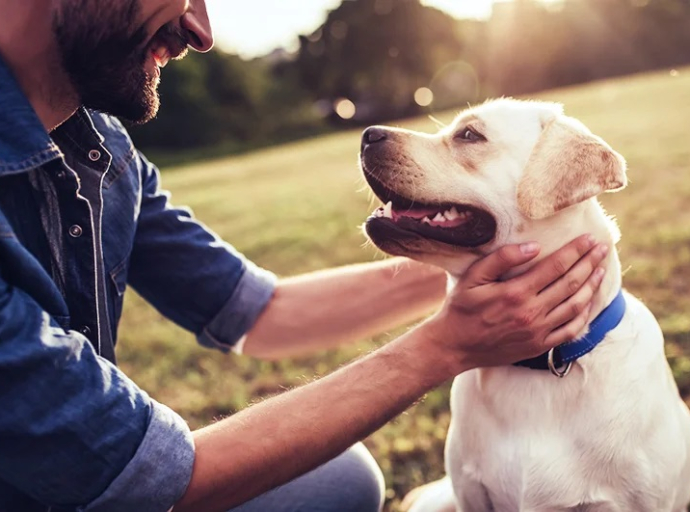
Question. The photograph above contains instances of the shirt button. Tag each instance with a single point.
(94, 155)
(75, 231)
(85, 330)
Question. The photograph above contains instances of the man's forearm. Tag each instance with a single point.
(273, 442)
(323, 309)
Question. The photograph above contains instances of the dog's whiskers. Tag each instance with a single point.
(438, 122)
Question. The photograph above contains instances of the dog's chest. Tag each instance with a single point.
(594, 439)
(528, 452)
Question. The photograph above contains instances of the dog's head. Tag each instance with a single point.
(487, 180)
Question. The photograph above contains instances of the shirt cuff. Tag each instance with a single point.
(158, 475)
(228, 328)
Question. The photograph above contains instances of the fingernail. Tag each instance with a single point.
(599, 273)
(529, 247)
(603, 250)
(591, 240)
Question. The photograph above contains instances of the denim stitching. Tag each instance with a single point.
(210, 336)
(118, 167)
(584, 351)
(33, 161)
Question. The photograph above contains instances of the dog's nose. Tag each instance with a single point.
(373, 134)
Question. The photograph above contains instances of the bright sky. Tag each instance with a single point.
(255, 27)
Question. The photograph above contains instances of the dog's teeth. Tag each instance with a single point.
(439, 217)
(426, 220)
(451, 214)
(388, 210)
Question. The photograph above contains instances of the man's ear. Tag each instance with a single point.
(567, 166)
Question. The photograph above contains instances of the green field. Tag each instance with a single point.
(297, 208)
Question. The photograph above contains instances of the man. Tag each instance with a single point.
(82, 214)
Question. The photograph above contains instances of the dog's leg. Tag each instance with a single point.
(473, 497)
(434, 497)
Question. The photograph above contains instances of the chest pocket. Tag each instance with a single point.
(121, 202)
(121, 205)
(118, 285)
(121, 193)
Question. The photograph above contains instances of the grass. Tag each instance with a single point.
(296, 208)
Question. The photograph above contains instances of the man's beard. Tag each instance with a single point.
(105, 56)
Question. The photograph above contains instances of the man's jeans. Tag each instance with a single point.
(351, 482)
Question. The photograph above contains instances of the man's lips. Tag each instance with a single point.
(169, 43)
(161, 55)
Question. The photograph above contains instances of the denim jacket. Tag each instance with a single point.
(81, 216)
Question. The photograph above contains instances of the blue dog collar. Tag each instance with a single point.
(564, 355)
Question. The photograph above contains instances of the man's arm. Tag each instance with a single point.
(483, 323)
(75, 431)
(323, 309)
(189, 274)
(201, 283)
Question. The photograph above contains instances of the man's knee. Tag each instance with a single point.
(362, 486)
(352, 482)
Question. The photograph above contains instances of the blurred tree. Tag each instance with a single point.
(377, 53)
(205, 99)
(532, 45)
(218, 98)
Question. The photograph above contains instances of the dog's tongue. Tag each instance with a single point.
(416, 213)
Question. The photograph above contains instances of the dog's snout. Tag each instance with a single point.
(373, 135)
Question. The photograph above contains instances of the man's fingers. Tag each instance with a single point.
(577, 276)
(493, 266)
(575, 305)
(569, 331)
(557, 264)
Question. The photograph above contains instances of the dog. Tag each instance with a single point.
(613, 433)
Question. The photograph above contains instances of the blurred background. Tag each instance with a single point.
(260, 137)
(282, 71)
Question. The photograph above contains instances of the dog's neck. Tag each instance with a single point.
(555, 232)
(588, 217)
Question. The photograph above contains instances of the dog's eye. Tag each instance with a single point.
(469, 135)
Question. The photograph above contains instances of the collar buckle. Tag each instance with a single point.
(552, 367)
(564, 355)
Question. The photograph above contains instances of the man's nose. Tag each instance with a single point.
(195, 22)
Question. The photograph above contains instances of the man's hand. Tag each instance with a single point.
(488, 322)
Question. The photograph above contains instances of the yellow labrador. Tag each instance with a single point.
(612, 434)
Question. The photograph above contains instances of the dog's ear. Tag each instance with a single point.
(567, 166)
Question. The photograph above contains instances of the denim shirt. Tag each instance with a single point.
(81, 216)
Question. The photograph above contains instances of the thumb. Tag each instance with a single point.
(496, 264)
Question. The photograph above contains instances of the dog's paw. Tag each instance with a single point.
(433, 497)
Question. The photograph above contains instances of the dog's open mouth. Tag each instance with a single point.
(455, 224)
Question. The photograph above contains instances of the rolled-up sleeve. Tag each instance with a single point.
(192, 276)
(157, 476)
(75, 431)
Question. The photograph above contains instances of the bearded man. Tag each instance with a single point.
(82, 215)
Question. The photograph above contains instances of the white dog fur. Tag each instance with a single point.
(614, 434)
